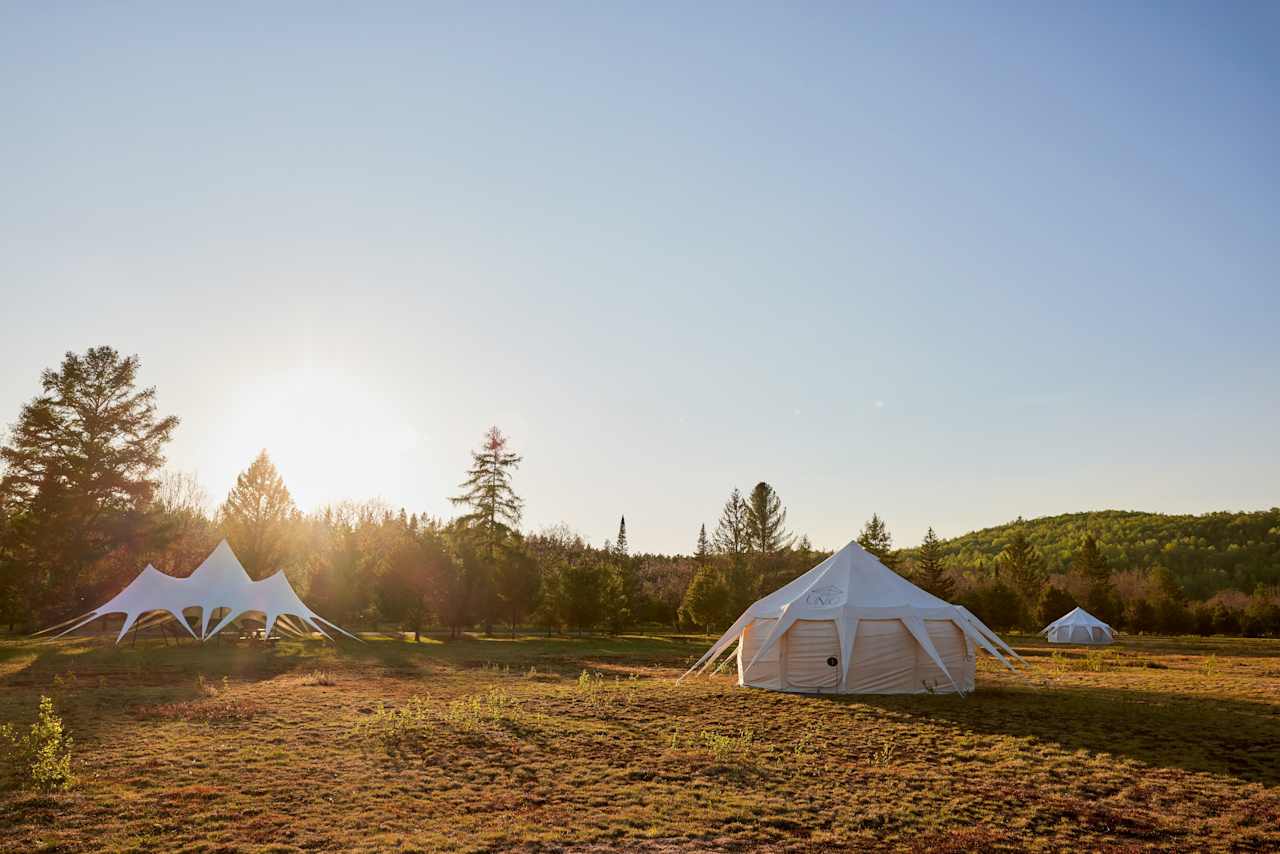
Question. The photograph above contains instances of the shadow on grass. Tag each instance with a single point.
(153, 661)
(1236, 738)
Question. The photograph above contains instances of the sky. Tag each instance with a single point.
(948, 263)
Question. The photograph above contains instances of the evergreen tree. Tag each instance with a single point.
(1092, 566)
(255, 517)
(930, 574)
(1022, 567)
(584, 583)
(875, 538)
(620, 546)
(495, 509)
(702, 554)
(766, 532)
(1090, 562)
(1054, 603)
(79, 473)
(616, 597)
(516, 582)
(415, 569)
(731, 532)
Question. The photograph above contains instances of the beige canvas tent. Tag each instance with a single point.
(851, 625)
(219, 586)
(1078, 626)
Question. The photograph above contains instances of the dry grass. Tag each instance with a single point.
(589, 745)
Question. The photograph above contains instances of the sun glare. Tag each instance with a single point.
(331, 436)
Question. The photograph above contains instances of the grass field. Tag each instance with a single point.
(498, 744)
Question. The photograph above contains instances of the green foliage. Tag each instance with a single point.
(583, 585)
(41, 759)
(395, 730)
(702, 551)
(996, 604)
(706, 599)
(480, 712)
(493, 506)
(79, 475)
(1204, 554)
(767, 522)
(1023, 568)
(1054, 603)
(723, 746)
(255, 517)
(620, 544)
(731, 532)
(930, 574)
(875, 538)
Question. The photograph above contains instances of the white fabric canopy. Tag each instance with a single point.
(1078, 626)
(219, 584)
(852, 625)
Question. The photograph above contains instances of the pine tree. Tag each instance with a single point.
(766, 532)
(1054, 603)
(79, 470)
(930, 574)
(1101, 598)
(1091, 563)
(495, 509)
(1023, 568)
(731, 532)
(702, 554)
(620, 545)
(255, 517)
(875, 538)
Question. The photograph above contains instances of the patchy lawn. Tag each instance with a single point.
(505, 744)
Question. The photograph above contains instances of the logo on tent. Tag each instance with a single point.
(829, 595)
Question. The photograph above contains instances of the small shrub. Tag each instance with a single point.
(479, 712)
(397, 729)
(591, 688)
(805, 744)
(1209, 667)
(1095, 660)
(42, 758)
(883, 755)
(725, 747)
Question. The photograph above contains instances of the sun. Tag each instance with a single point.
(331, 436)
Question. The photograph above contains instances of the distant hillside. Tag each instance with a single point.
(1205, 553)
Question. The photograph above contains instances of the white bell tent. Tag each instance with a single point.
(851, 625)
(1078, 626)
(219, 585)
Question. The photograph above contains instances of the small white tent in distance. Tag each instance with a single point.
(220, 586)
(1080, 627)
(851, 625)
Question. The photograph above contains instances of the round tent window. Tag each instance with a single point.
(831, 662)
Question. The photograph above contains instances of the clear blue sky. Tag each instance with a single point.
(951, 263)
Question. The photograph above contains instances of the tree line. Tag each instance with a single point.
(85, 502)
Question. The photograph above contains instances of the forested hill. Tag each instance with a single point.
(1205, 553)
